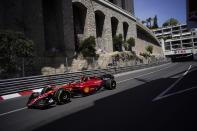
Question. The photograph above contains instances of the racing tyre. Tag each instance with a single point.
(110, 84)
(62, 96)
(46, 89)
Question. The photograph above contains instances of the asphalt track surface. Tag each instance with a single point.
(160, 98)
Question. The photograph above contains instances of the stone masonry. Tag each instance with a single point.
(59, 26)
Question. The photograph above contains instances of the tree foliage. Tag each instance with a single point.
(117, 42)
(155, 22)
(87, 47)
(130, 44)
(171, 22)
(149, 49)
(145, 55)
(151, 22)
(12, 46)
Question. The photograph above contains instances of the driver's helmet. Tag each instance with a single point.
(84, 78)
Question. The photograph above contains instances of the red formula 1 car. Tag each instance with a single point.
(61, 94)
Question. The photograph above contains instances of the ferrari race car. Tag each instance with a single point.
(61, 94)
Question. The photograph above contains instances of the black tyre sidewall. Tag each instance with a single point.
(45, 90)
(113, 82)
(60, 94)
(109, 84)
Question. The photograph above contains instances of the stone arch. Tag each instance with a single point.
(100, 23)
(79, 20)
(53, 26)
(125, 30)
(99, 19)
(114, 25)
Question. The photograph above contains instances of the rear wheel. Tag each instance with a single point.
(62, 96)
(110, 84)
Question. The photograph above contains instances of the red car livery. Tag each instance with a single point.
(61, 94)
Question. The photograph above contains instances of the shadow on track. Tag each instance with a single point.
(134, 110)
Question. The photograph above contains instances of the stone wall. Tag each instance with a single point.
(51, 24)
(141, 45)
(104, 42)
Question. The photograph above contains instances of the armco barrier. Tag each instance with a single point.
(9, 86)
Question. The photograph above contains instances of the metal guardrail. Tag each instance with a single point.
(9, 86)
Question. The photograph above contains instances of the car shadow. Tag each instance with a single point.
(134, 109)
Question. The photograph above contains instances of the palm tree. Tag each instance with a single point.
(149, 22)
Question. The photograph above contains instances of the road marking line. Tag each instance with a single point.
(178, 92)
(161, 95)
(187, 70)
(139, 70)
(143, 75)
(6, 113)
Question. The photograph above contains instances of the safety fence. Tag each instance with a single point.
(8, 86)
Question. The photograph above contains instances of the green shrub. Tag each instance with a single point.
(145, 55)
(12, 46)
(149, 49)
(130, 44)
(87, 47)
(117, 42)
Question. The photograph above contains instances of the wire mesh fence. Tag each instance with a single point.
(22, 67)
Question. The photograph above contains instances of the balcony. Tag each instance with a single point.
(184, 27)
(176, 32)
(176, 46)
(176, 28)
(187, 45)
(168, 48)
(195, 40)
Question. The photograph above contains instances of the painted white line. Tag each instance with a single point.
(161, 95)
(176, 93)
(190, 67)
(144, 74)
(139, 70)
(6, 113)
(165, 91)
(185, 73)
(5, 97)
(187, 70)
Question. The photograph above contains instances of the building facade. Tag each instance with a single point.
(191, 13)
(59, 26)
(127, 5)
(177, 40)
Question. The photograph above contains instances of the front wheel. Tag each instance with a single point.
(46, 89)
(62, 96)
